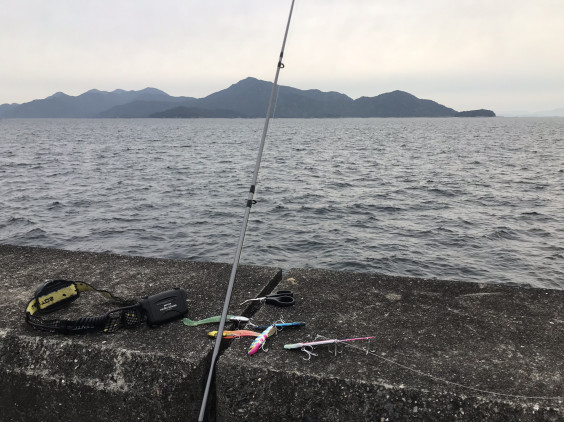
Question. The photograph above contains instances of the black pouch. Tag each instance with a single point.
(165, 306)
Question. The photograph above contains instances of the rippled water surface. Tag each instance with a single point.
(466, 199)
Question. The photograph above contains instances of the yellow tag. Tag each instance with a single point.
(55, 297)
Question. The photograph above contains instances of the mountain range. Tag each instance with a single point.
(247, 98)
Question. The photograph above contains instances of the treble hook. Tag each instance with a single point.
(309, 351)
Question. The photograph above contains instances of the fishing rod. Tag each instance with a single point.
(249, 204)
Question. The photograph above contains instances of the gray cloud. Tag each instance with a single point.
(466, 54)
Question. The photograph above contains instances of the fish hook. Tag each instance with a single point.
(338, 350)
(309, 351)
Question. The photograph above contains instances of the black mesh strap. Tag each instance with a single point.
(109, 323)
(123, 318)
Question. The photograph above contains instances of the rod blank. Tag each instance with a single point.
(248, 207)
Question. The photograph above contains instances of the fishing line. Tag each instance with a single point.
(443, 380)
(250, 203)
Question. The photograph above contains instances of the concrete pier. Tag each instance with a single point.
(442, 351)
(137, 374)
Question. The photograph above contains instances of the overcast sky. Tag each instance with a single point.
(504, 55)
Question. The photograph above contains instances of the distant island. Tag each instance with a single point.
(476, 113)
(247, 98)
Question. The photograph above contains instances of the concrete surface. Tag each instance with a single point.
(139, 374)
(443, 351)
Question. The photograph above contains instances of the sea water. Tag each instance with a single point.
(470, 199)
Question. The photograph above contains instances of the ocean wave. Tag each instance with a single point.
(378, 195)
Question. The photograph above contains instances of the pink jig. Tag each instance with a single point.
(261, 339)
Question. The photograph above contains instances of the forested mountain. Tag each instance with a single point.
(247, 98)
